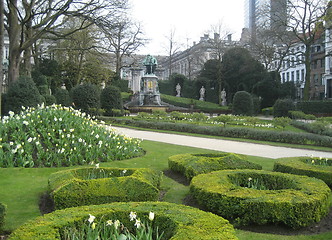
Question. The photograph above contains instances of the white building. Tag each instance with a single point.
(327, 78)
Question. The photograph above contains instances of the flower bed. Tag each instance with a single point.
(178, 222)
(320, 168)
(2, 215)
(237, 195)
(191, 165)
(85, 186)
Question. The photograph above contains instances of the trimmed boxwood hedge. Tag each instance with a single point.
(178, 222)
(71, 188)
(296, 201)
(2, 215)
(233, 132)
(312, 167)
(191, 165)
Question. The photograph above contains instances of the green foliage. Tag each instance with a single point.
(296, 201)
(57, 136)
(301, 115)
(2, 215)
(235, 132)
(178, 115)
(243, 104)
(49, 99)
(62, 97)
(267, 111)
(320, 168)
(43, 89)
(315, 107)
(110, 98)
(85, 96)
(22, 92)
(178, 222)
(191, 165)
(320, 126)
(281, 122)
(87, 186)
(282, 107)
(224, 119)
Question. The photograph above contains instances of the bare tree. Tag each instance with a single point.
(172, 48)
(28, 21)
(123, 37)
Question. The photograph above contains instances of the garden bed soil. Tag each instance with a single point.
(325, 225)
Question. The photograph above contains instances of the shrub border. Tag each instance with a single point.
(190, 223)
(62, 183)
(296, 166)
(183, 163)
(2, 215)
(295, 208)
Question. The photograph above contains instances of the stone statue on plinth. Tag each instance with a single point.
(150, 63)
(202, 93)
(178, 90)
(223, 97)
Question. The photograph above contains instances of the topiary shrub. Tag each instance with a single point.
(56, 136)
(87, 186)
(178, 222)
(282, 107)
(49, 99)
(62, 97)
(243, 103)
(191, 165)
(259, 197)
(320, 168)
(22, 92)
(2, 215)
(110, 98)
(86, 96)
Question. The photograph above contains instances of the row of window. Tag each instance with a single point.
(298, 76)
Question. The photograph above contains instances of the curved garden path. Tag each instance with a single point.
(222, 145)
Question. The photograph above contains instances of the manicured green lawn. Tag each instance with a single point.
(20, 188)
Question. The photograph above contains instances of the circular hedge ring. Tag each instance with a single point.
(260, 197)
(191, 165)
(178, 222)
(320, 168)
(86, 186)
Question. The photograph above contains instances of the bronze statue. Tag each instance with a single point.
(150, 63)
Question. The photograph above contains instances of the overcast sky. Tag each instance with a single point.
(190, 19)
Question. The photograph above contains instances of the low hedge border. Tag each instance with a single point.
(177, 221)
(300, 167)
(2, 215)
(233, 132)
(297, 201)
(70, 188)
(191, 165)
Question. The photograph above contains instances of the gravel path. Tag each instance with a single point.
(222, 145)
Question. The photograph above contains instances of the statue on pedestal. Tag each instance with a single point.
(223, 97)
(150, 63)
(202, 93)
(178, 90)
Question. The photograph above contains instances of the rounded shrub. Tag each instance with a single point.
(260, 197)
(86, 96)
(49, 99)
(177, 222)
(320, 168)
(243, 103)
(22, 92)
(62, 97)
(55, 136)
(282, 108)
(110, 98)
(87, 186)
(191, 165)
(2, 215)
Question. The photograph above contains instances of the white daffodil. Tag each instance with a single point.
(109, 223)
(138, 223)
(249, 179)
(132, 216)
(91, 218)
(151, 216)
(97, 165)
(116, 224)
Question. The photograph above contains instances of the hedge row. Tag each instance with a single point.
(2, 215)
(317, 127)
(71, 188)
(191, 165)
(296, 201)
(315, 107)
(235, 132)
(178, 222)
(312, 167)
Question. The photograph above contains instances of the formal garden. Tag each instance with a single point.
(91, 183)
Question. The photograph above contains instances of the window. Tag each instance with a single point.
(297, 75)
(287, 76)
(292, 76)
(283, 77)
(302, 75)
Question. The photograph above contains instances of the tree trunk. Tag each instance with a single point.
(306, 90)
(2, 33)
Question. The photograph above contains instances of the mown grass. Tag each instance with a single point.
(21, 188)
